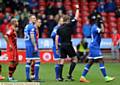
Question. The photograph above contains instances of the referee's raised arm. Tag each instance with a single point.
(77, 12)
(74, 20)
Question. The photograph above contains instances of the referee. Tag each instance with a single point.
(64, 32)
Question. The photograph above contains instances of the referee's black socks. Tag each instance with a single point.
(72, 66)
(61, 70)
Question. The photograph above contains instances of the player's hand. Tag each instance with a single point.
(35, 48)
(77, 6)
(57, 51)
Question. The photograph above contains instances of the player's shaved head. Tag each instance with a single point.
(32, 18)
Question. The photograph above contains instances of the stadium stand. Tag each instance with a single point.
(21, 9)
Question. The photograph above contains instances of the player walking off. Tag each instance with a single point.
(95, 54)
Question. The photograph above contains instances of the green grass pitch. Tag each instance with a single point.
(47, 74)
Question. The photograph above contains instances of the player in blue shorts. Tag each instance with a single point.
(56, 54)
(31, 42)
(95, 54)
(37, 25)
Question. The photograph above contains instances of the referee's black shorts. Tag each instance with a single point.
(67, 49)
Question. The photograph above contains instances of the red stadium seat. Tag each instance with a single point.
(79, 24)
(106, 30)
(1, 15)
(41, 8)
(118, 26)
(67, 7)
(84, 8)
(42, 3)
(112, 24)
(79, 30)
(104, 19)
(105, 24)
(74, 1)
(8, 9)
(79, 35)
(117, 0)
(59, 3)
(41, 0)
(105, 35)
(84, 14)
(118, 19)
(111, 14)
(67, 2)
(112, 19)
(83, 3)
(93, 3)
(74, 36)
(104, 14)
(44, 35)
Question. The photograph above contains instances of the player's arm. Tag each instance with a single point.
(53, 34)
(102, 27)
(57, 38)
(7, 38)
(33, 40)
(100, 23)
(56, 41)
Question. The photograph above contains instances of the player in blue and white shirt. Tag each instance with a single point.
(53, 35)
(95, 54)
(56, 51)
(31, 43)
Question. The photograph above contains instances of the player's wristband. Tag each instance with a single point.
(77, 8)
